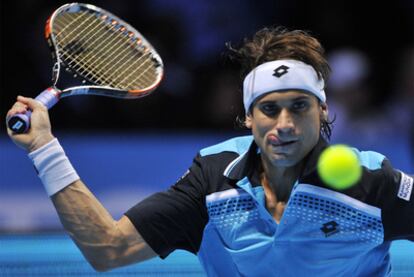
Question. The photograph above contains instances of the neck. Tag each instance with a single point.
(280, 179)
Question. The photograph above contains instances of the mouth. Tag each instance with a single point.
(277, 142)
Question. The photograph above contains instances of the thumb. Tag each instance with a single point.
(30, 102)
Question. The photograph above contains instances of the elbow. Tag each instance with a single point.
(102, 262)
(99, 269)
(99, 266)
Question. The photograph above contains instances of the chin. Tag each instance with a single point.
(282, 160)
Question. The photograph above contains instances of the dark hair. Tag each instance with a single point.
(276, 43)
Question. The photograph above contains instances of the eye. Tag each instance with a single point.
(300, 105)
(269, 108)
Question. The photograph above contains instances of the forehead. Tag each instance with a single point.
(286, 95)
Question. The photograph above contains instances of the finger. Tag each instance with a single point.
(12, 133)
(30, 102)
(9, 132)
(15, 111)
(17, 108)
(19, 105)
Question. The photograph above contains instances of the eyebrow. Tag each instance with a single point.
(302, 97)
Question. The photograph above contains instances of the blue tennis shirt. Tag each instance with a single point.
(217, 210)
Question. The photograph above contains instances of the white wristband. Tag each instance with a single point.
(53, 167)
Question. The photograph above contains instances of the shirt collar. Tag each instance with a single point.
(242, 165)
(246, 163)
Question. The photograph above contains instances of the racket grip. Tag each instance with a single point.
(20, 123)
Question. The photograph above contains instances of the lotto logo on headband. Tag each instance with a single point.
(281, 75)
(280, 71)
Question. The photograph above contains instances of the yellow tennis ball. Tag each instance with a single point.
(339, 167)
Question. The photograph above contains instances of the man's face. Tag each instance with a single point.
(286, 126)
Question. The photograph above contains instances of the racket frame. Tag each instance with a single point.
(97, 89)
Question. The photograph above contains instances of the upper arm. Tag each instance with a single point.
(134, 248)
(123, 247)
(397, 204)
(174, 219)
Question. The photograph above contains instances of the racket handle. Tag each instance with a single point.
(20, 123)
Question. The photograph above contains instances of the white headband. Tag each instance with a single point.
(281, 75)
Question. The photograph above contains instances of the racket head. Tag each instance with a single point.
(103, 54)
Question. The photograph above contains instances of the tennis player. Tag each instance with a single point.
(253, 205)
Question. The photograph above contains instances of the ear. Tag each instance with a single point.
(324, 111)
(248, 121)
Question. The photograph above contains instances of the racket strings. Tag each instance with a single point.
(71, 50)
(69, 54)
(119, 58)
(93, 32)
(132, 61)
(94, 71)
(141, 69)
(101, 75)
(123, 56)
(98, 51)
(79, 19)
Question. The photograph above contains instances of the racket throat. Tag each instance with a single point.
(49, 97)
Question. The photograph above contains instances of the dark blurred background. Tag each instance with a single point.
(370, 47)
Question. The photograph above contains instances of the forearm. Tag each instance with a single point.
(105, 243)
(91, 227)
(84, 218)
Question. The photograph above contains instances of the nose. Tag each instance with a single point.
(285, 123)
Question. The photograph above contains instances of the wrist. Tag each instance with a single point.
(53, 167)
(40, 141)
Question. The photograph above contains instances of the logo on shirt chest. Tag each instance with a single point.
(330, 228)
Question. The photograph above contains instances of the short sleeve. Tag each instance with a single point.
(397, 203)
(174, 219)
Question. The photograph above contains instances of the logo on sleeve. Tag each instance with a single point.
(406, 187)
(184, 175)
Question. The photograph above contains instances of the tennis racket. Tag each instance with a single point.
(94, 53)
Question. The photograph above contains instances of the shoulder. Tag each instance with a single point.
(211, 162)
(236, 145)
(380, 181)
(377, 167)
(371, 160)
(377, 170)
(217, 157)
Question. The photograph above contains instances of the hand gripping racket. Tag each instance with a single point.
(95, 53)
